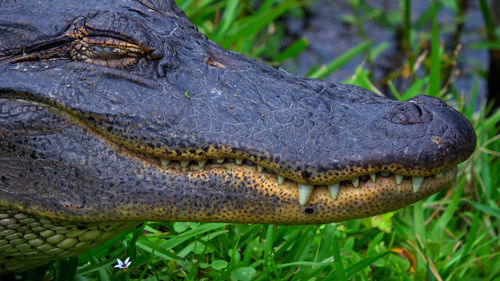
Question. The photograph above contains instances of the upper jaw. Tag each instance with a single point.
(224, 105)
(305, 130)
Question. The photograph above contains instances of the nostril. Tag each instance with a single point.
(410, 113)
(419, 110)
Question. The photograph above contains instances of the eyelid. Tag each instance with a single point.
(114, 43)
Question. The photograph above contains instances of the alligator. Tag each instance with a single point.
(117, 112)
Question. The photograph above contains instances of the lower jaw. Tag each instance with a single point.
(239, 194)
(369, 198)
(274, 202)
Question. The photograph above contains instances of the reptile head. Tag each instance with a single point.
(114, 111)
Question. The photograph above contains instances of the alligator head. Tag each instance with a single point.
(122, 111)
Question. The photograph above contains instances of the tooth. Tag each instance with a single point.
(438, 176)
(280, 179)
(399, 179)
(355, 182)
(184, 164)
(220, 161)
(417, 183)
(164, 163)
(202, 163)
(374, 177)
(260, 168)
(304, 193)
(334, 190)
(385, 174)
(238, 161)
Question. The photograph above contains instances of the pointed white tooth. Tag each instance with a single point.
(260, 168)
(238, 161)
(202, 163)
(399, 179)
(220, 161)
(184, 164)
(373, 177)
(417, 183)
(164, 163)
(304, 193)
(355, 182)
(438, 176)
(280, 179)
(334, 190)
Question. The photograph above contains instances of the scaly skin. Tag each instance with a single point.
(115, 113)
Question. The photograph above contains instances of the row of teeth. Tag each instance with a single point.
(304, 189)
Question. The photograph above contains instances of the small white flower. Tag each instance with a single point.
(123, 265)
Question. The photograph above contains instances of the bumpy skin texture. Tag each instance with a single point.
(94, 94)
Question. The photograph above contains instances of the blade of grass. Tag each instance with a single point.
(255, 24)
(95, 266)
(293, 50)
(490, 210)
(377, 50)
(306, 263)
(339, 268)
(357, 267)
(131, 249)
(340, 61)
(67, 269)
(415, 89)
(407, 26)
(492, 121)
(418, 220)
(394, 91)
(326, 243)
(488, 21)
(463, 253)
(268, 255)
(302, 249)
(227, 19)
(435, 82)
(450, 209)
(156, 249)
(103, 273)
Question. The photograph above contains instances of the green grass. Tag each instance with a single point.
(452, 235)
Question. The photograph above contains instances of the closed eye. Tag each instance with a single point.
(105, 51)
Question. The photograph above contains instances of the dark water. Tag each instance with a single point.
(329, 36)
